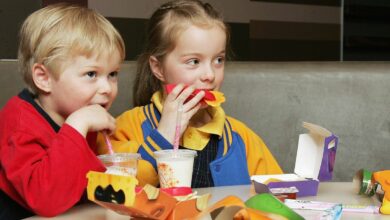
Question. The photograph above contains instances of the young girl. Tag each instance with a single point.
(186, 45)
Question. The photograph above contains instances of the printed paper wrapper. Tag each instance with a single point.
(212, 98)
(118, 193)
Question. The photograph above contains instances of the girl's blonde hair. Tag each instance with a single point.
(164, 27)
(57, 32)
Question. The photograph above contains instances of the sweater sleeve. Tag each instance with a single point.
(50, 180)
(259, 158)
(135, 135)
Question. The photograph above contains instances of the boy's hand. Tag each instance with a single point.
(91, 118)
(169, 113)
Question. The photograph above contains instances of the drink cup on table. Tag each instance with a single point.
(175, 167)
(124, 164)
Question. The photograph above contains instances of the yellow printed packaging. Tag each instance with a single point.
(119, 194)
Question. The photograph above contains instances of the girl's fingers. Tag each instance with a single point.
(193, 111)
(185, 94)
(193, 101)
(175, 92)
(181, 92)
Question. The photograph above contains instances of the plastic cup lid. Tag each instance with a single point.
(118, 157)
(181, 153)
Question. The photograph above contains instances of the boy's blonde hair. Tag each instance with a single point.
(57, 32)
(164, 27)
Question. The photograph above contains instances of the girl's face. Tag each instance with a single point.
(198, 59)
(84, 81)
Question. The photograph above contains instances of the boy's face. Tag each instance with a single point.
(85, 81)
(198, 58)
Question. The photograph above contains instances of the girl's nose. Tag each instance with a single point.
(208, 74)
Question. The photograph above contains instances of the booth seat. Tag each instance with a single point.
(351, 99)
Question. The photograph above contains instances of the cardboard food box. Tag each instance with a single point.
(119, 194)
(315, 160)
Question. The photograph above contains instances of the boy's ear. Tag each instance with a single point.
(41, 77)
(156, 68)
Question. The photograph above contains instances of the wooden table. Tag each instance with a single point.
(340, 192)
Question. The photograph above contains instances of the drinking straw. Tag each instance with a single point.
(178, 128)
(108, 143)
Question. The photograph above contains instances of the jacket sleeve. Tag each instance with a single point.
(51, 180)
(133, 134)
(259, 158)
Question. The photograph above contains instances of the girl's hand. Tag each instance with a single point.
(91, 118)
(172, 102)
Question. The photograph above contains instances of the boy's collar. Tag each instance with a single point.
(27, 96)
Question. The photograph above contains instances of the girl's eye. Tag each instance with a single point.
(219, 60)
(113, 74)
(193, 62)
(91, 74)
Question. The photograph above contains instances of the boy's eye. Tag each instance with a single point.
(113, 74)
(91, 74)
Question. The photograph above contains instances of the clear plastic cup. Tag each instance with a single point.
(124, 164)
(175, 167)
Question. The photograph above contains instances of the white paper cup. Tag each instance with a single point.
(175, 167)
(124, 164)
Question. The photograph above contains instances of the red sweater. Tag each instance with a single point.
(42, 166)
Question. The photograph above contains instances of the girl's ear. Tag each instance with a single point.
(156, 68)
(41, 77)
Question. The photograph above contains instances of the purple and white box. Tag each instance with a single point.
(315, 160)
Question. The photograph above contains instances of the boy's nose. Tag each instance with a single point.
(105, 86)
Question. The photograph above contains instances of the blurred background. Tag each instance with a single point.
(262, 30)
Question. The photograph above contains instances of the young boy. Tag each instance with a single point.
(70, 57)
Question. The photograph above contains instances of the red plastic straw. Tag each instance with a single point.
(178, 128)
(108, 143)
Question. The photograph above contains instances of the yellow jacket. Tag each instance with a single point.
(241, 153)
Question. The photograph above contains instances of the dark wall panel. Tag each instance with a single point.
(239, 43)
(12, 15)
(294, 31)
(76, 2)
(294, 41)
(366, 30)
(306, 2)
(294, 50)
(256, 40)
(133, 33)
